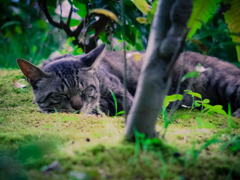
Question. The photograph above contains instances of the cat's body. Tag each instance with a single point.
(70, 83)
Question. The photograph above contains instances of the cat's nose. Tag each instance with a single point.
(76, 102)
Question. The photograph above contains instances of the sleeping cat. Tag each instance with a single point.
(69, 83)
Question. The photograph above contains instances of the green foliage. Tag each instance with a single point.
(82, 8)
(52, 3)
(215, 34)
(215, 37)
(202, 11)
(190, 75)
(136, 34)
(74, 22)
(166, 102)
(171, 98)
(205, 103)
(193, 94)
(204, 124)
(232, 144)
(16, 29)
(115, 103)
(70, 48)
(151, 13)
(201, 14)
(24, 35)
(231, 18)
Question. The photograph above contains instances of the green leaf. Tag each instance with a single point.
(76, 112)
(207, 106)
(231, 123)
(165, 118)
(232, 19)
(74, 22)
(193, 94)
(202, 11)
(52, 3)
(79, 51)
(115, 101)
(70, 39)
(5, 1)
(197, 104)
(10, 23)
(171, 98)
(229, 116)
(205, 101)
(142, 5)
(81, 1)
(41, 24)
(142, 20)
(103, 37)
(184, 116)
(34, 49)
(210, 113)
(120, 112)
(209, 142)
(82, 10)
(218, 109)
(151, 13)
(106, 13)
(190, 75)
(18, 29)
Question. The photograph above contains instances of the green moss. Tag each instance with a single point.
(93, 146)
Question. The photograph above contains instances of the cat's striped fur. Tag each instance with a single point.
(70, 83)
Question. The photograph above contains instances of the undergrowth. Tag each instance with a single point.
(90, 147)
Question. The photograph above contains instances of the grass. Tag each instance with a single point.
(90, 147)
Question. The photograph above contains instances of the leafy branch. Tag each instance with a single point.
(81, 29)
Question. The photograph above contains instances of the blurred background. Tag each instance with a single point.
(26, 31)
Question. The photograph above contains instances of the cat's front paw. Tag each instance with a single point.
(96, 112)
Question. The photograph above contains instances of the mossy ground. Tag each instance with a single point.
(90, 147)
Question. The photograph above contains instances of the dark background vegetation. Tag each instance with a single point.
(26, 33)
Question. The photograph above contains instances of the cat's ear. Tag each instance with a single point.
(93, 57)
(32, 72)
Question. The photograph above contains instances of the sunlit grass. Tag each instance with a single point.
(93, 146)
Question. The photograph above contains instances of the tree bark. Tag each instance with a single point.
(165, 44)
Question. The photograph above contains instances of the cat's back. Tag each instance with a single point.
(113, 61)
(192, 59)
(57, 58)
(219, 84)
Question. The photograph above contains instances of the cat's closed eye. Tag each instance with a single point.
(58, 97)
(89, 93)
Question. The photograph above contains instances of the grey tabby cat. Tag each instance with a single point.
(69, 83)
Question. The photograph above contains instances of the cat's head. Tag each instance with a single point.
(67, 84)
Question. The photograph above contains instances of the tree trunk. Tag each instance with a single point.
(166, 40)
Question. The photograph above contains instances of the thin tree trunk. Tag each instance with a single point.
(165, 43)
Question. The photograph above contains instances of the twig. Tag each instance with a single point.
(69, 16)
(124, 63)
